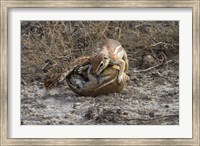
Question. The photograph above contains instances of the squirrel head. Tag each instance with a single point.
(99, 63)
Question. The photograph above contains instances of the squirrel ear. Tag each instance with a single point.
(105, 57)
(98, 49)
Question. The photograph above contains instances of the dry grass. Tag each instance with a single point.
(62, 41)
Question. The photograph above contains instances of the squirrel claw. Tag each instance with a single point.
(119, 79)
(80, 70)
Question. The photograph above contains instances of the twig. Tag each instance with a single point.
(151, 38)
(119, 33)
(155, 117)
(148, 24)
(106, 27)
(150, 68)
(59, 57)
(41, 42)
(138, 119)
(154, 45)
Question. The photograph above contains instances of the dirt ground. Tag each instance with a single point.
(151, 96)
(148, 99)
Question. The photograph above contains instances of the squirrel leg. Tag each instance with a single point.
(121, 63)
(125, 58)
(93, 81)
(122, 68)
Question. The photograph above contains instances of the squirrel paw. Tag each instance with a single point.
(119, 79)
(80, 70)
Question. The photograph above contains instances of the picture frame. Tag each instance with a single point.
(5, 5)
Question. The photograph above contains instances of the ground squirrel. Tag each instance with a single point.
(111, 53)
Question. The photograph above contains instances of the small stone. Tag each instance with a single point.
(119, 111)
(144, 97)
(76, 104)
(125, 113)
(22, 122)
(66, 115)
(48, 122)
(166, 106)
(151, 114)
(45, 116)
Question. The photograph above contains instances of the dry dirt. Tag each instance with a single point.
(150, 98)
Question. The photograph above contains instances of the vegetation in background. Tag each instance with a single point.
(59, 42)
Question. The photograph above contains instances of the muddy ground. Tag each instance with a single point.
(151, 96)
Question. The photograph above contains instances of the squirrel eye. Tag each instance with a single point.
(101, 65)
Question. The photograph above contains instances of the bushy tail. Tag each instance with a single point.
(52, 82)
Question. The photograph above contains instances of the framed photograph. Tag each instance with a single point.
(100, 72)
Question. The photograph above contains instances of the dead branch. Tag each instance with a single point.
(154, 118)
(106, 112)
(105, 28)
(153, 45)
(150, 68)
(151, 38)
